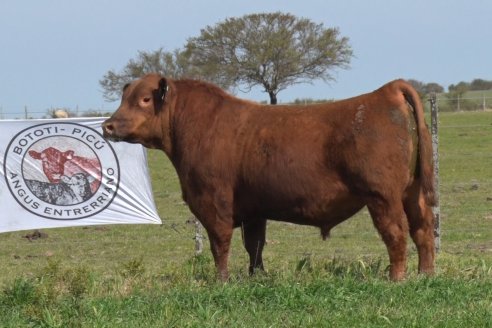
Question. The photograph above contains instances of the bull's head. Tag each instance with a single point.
(53, 162)
(143, 115)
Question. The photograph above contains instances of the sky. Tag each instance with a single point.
(54, 52)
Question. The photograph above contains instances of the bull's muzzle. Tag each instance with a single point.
(108, 129)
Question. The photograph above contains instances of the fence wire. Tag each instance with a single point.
(481, 102)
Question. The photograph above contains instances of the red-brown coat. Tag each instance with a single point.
(241, 163)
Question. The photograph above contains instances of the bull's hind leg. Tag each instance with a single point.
(421, 222)
(389, 219)
(254, 241)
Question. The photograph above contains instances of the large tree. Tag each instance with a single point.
(272, 50)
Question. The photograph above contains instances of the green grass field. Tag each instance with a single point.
(148, 276)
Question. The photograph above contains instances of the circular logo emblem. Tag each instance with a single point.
(61, 171)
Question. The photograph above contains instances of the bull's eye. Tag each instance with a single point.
(146, 100)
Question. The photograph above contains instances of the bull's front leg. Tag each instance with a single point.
(215, 214)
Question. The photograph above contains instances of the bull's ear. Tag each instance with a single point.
(34, 154)
(162, 89)
(68, 154)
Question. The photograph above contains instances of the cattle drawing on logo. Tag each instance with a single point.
(69, 191)
(61, 170)
(57, 164)
(71, 179)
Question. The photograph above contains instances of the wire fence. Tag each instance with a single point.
(27, 112)
(446, 103)
(463, 103)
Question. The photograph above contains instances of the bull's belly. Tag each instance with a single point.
(328, 217)
(316, 212)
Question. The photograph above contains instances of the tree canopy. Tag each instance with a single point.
(270, 50)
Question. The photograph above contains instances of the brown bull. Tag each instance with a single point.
(240, 163)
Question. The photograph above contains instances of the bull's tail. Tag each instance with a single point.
(425, 144)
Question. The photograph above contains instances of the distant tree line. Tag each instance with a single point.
(475, 85)
(308, 101)
(460, 88)
(424, 89)
(456, 99)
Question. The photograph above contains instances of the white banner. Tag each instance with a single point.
(62, 172)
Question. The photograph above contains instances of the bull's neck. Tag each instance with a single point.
(192, 114)
(166, 133)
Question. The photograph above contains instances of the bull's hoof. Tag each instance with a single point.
(397, 276)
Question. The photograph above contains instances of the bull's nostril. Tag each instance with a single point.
(108, 128)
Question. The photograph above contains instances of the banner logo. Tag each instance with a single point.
(62, 171)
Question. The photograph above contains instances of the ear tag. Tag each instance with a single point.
(164, 93)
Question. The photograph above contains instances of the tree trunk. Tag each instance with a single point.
(273, 98)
